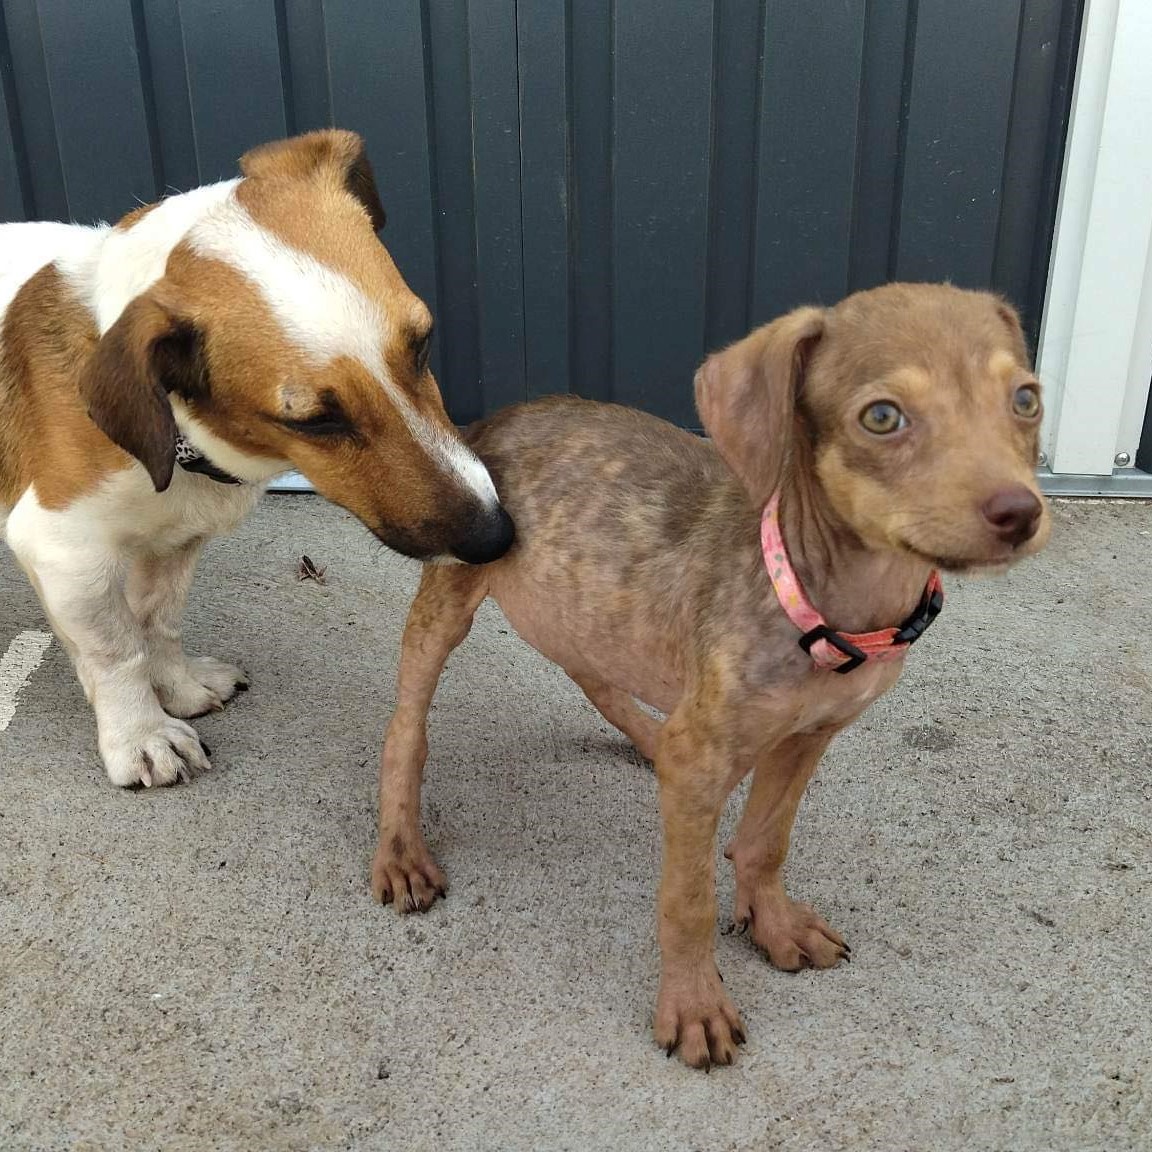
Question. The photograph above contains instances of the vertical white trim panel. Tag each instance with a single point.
(1086, 118)
(1097, 308)
(1139, 370)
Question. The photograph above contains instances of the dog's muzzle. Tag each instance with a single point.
(488, 538)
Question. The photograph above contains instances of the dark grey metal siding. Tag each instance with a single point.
(1144, 452)
(589, 193)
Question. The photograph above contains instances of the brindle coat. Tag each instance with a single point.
(637, 568)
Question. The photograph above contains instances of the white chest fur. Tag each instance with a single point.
(125, 516)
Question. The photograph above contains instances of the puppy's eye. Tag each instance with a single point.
(883, 418)
(1026, 402)
(420, 353)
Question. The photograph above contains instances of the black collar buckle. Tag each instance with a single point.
(917, 624)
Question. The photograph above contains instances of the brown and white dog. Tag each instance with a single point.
(258, 324)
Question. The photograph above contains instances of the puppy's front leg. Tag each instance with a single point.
(693, 1012)
(157, 591)
(83, 596)
(403, 871)
(793, 934)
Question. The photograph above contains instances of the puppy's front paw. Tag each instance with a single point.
(405, 874)
(198, 686)
(794, 935)
(695, 1018)
(153, 755)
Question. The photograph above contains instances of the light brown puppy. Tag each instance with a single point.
(899, 430)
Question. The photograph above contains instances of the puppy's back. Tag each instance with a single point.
(598, 467)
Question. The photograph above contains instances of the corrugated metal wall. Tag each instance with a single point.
(589, 193)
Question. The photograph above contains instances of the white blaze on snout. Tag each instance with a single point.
(326, 316)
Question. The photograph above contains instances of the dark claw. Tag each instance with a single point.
(738, 1035)
(242, 685)
(845, 957)
(707, 1065)
(741, 926)
(206, 750)
(669, 1048)
(847, 947)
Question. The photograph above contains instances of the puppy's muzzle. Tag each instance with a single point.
(487, 538)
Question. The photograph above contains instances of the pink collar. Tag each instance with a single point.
(829, 649)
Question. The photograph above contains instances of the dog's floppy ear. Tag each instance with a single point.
(146, 354)
(331, 150)
(746, 397)
(1011, 320)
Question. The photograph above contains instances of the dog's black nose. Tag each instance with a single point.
(1014, 514)
(491, 536)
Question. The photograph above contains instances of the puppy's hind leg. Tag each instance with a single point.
(621, 711)
(404, 872)
(793, 935)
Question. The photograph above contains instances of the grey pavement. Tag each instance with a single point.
(202, 967)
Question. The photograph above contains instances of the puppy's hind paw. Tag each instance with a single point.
(793, 934)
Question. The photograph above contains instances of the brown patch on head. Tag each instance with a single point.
(953, 363)
(46, 436)
(330, 154)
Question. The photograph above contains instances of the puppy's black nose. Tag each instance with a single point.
(1014, 514)
(489, 538)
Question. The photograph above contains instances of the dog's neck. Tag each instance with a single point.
(856, 588)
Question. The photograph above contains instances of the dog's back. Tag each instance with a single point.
(609, 504)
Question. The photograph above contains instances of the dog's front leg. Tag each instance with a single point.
(157, 591)
(793, 934)
(693, 1012)
(83, 597)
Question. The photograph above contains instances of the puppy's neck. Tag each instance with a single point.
(855, 588)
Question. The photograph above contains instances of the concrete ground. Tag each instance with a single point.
(202, 967)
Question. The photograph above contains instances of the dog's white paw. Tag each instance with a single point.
(198, 686)
(154, 755)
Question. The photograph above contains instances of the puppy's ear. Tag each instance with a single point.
(146, 354)
(746, 397)
(331, 151)
(1010, 318)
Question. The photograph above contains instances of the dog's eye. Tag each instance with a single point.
(1026, 402)
(420, 352)
(883, 418)
(323, 424)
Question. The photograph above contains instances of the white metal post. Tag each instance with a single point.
(1095, 353)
